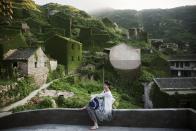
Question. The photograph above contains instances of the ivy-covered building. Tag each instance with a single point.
(66, 51)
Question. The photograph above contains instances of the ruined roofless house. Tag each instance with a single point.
(25, 27)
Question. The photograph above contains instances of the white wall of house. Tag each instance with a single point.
(37, 66)
(183, 65)
(53, 65)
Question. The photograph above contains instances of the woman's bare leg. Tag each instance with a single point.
(93, 118)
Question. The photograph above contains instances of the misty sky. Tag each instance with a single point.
(89, 5)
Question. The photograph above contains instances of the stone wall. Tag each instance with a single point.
(154, 118)
(6, 88)
(38, 67)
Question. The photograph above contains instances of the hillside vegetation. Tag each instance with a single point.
(177, 24)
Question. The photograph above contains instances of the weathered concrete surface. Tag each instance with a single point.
(142, 118)
(2, 114)
(54, 127)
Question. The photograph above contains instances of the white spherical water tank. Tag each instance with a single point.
(124, 57)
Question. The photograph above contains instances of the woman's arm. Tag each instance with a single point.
(102, 94)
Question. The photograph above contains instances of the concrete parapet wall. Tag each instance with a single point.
(154, 118)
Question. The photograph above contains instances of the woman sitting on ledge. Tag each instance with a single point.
(100, 106)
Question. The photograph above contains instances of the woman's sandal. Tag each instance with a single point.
(94, 128)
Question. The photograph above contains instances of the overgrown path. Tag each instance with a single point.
(29, 97)
(26, 99)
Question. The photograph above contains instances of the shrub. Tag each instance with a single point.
(45, 103)
(60, 101)
(23, 88)
(146, 76)
(74, 102)
(58, 73)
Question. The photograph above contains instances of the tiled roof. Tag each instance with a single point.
(19, 54)
(176, 83)
(66, 39)
(191, 57)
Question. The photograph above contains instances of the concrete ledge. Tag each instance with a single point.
(152, 118)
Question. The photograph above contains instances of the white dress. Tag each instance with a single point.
(104, 111)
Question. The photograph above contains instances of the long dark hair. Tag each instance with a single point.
(108, 84)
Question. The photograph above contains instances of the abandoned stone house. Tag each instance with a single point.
(137, 34)
(27, 62)
(156, 43)
(25, 28)
(165, 46)
(183, 66)
(174, 92)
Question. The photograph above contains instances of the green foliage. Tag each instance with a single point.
(61, 85)
(170, 24)
(60, 101)
(25, 4)
(125, 18)
(84, 89)
(145, 76)
(12, 39)
(67, 52)
(108, 22)
(67, 9)
(22, 89)
(163, 100)
(139, 44)
(82, 92)
(58, 73)
(46, 102)
(137, 90)
(74, 102)
(90, 86)
(7, 82)
(156, 64)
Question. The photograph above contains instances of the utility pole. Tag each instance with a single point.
(103, 75)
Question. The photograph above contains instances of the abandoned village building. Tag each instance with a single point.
(174, 92)
(28, 62)
(66, 51)
(137, 34)
(183, 66)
